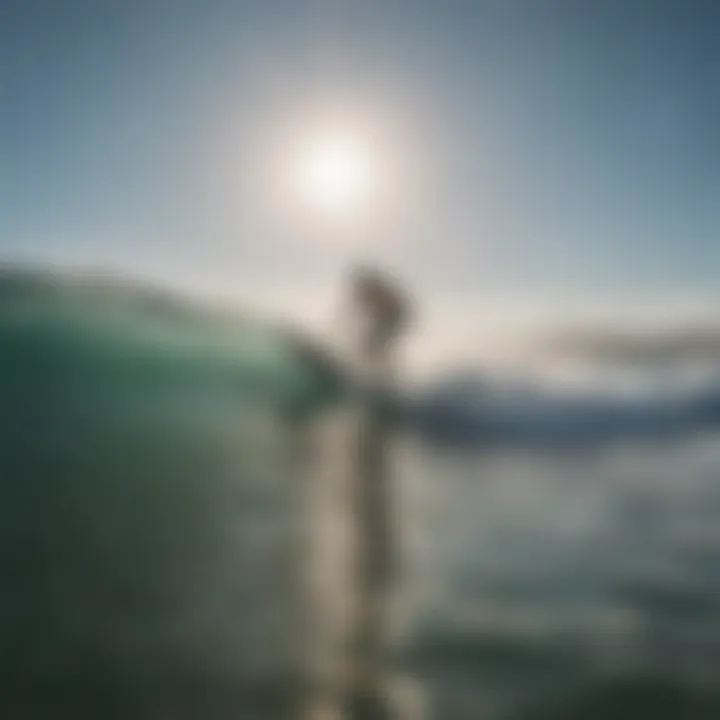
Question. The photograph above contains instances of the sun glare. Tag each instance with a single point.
(335, 172)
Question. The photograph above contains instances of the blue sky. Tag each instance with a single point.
(568, 151)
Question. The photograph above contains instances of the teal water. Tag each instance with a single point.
(144, 490)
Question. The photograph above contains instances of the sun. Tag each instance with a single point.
(335, 172)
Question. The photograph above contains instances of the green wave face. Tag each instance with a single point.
(146, 469)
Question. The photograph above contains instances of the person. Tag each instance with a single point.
(383, 313)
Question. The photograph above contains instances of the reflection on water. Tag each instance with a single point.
(543, 574)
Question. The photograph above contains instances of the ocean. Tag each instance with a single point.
(544, 579)
(149, 481)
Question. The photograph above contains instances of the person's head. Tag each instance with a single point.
(380, 300)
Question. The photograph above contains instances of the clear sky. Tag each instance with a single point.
(543, 151)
